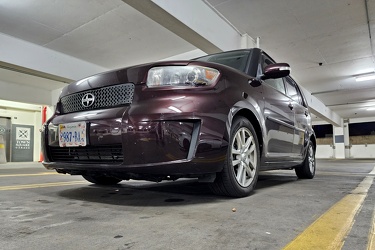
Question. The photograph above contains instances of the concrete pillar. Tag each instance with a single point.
(346, 139)
(338, 141)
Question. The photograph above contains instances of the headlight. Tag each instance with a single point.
(182, 76)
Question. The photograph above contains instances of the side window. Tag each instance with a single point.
(293, 91)
(277, 84)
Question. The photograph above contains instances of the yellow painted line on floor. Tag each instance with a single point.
(371, 238)
(330, 229)
(23, 175)
(42, 185)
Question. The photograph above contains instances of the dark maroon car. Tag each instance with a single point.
(220, 118)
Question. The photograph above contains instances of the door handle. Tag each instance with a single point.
(290, 106)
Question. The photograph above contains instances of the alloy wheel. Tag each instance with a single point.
(311, 159)
(244, 157)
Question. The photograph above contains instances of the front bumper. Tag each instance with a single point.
(121, 143)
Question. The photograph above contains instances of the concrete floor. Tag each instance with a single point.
(43, 210)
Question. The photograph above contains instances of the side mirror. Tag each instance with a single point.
(277, 70)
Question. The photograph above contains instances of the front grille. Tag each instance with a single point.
(106, 97)
(90, 154)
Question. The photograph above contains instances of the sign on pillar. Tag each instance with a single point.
(22, 143)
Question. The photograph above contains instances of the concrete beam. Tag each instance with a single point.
(20, 105)
(36, 58)
(319, 109)
(184, 18)
(33, 72)
(24, 94)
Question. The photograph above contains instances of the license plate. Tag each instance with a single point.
(72, 134)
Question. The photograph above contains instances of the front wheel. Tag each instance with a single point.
(307, 169)
(241, 168)
(101, 179)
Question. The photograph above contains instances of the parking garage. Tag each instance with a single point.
(329, 47)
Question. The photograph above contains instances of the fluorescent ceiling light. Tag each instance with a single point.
(365, 78)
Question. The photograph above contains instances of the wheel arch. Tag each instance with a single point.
(248, 114)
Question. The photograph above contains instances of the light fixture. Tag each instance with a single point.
(366, 77)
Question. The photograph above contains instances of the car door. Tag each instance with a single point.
(279, 119)
(301, 117)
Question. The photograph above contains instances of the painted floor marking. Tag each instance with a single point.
(371, 238)
(330, 229)
(41, 185)
(23, 175)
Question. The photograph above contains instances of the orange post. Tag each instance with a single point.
(44, 118)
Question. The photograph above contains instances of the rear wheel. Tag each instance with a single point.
(101, 179)
(241, 168)
(307, 169)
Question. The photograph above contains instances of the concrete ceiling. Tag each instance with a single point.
(304, 33)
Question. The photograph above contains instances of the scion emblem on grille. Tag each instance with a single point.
(88, 100)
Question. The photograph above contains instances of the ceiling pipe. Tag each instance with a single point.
(258, 41)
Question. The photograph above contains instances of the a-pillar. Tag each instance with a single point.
(338, 142)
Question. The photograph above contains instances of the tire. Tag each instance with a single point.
(241, 167)
(307, 169)
(101, 179)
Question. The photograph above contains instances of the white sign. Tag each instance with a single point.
(72, 134)
(23, 134)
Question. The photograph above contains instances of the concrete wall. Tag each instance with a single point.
(22, 93)
(362, 146)
(26, 117)
(358, 147)
(362, 151)
(324, 151)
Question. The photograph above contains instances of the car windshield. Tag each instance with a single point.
(234, 59)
